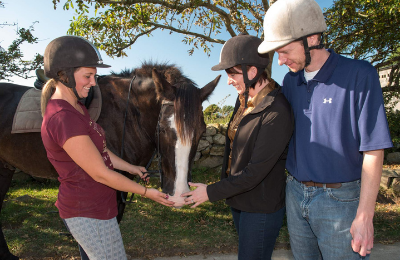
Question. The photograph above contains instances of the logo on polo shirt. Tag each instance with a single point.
(328, 100)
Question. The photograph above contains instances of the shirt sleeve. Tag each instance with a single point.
(64, 125)
(373, 127)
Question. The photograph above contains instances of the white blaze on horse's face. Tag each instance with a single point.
(182, 152)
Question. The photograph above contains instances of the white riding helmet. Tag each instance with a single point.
(290, 20)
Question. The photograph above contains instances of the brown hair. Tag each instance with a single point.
(263, 77)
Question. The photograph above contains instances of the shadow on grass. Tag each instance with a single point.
(31, 223)
(387, 223)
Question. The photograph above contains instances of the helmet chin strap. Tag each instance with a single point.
(76, 93)
(307, 49)
(249, 83)
(71, 81)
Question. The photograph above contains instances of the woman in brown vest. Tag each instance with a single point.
(253, 174)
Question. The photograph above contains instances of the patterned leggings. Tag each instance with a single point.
(101, 239)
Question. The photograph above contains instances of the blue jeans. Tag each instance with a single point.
(257, 233)
(319, 220)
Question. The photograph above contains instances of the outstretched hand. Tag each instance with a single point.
(197, 196)
(159, 197)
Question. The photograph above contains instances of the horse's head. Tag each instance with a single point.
(181, 127)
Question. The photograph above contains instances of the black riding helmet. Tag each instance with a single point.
(66, 53)
(242, 50)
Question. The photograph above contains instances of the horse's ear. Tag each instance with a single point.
(163, 88)
(206, 91)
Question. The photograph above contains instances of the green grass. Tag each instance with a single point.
(387, 217)
(387, 223)
(150, 229)
(31, 223)
(32, 226)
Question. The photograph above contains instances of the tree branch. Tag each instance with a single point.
(180, 8)
(198, 35)
(131, 42)
(394, 74)
(391, 88)
(256, 15)
(386, 63)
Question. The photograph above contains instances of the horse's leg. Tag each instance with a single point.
(5, 181)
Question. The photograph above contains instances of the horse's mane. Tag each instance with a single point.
(171, 72)
(187, 101)
(188, 114)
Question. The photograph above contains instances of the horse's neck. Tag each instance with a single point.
(140, 122)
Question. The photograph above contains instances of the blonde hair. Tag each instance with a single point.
(47, 92)
(50, 87)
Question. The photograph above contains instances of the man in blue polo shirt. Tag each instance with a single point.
(336, 152)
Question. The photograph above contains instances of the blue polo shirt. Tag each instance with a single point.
(338, 115)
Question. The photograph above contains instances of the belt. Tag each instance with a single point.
(318, 184)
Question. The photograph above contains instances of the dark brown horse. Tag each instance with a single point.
(160, 93)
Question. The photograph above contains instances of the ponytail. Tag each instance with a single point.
(47, 92)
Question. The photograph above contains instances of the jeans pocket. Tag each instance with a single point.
(349, 192)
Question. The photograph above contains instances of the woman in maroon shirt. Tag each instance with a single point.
(76, 146)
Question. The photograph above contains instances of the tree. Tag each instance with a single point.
(11, 60)
(212, 110)
(118, 24)
(227, 110)
(368, 30)
(364, 29)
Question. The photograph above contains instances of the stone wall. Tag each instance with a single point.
(211, 147)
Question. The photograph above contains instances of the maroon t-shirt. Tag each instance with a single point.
(79, 195)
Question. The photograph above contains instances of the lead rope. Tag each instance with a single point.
(125, 116)
(125, 194)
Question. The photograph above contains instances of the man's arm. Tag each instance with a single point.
(362, 229)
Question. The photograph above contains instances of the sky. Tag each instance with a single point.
(160, 47)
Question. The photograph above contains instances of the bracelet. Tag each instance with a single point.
(145, 190)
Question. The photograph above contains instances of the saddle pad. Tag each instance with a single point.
(28, 117)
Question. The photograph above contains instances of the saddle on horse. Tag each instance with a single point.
(28, 117)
